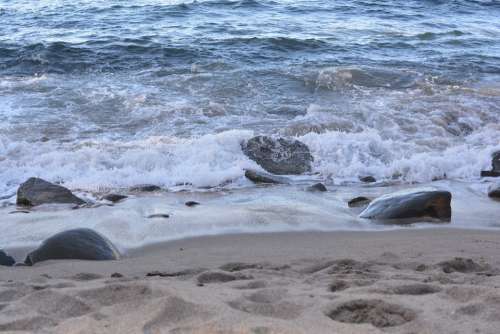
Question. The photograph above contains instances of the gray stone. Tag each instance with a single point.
(80, 244)
(279, 156)
(317, 187)
(418, 203)
(259, 177)
(6, 260)
(358, 201)
(114, 197)
(367, 179)
(145, 188)
(36, 191)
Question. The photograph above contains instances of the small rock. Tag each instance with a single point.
(6, 260)
(258, 177)
(494, 191)
(418, 203)
(116, 275)
(279, 156)
(159, 215)
(191, 203)
(145, 188)
(36, 191)
(114, 197)
(358, 201)
(367, 179)
(317, 187)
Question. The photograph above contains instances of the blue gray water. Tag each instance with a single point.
(105, 94)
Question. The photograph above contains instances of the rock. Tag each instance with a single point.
(259, 177)
(358, 201)
(6, 260)
(488, 173)
(494, 191)
(279, 156)
(114, 197)
(411, 204)
(317, 187)
(145, 188)
(80, 244)
(191, 203)
(116, 275)
(367, 179)
(36, 191)
(159, 215)
(495, 166)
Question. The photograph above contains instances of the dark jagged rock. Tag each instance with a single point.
(145, 188)
(495, 166)
(367, 179)
(114, 197)
(279, 156)
(36, 191)
(80, 244)
(411, 204)
(489, 173)
(358, 201)
(159, 215)
(6, 260)
(317, 187)
(259, 177)
(191, 203)
(494, 191)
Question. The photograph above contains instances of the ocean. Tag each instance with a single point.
(105, 95)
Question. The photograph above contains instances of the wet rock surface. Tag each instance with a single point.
(260, 177)
(279, 156)
(36, 191)
(6, 260)
(317, 187)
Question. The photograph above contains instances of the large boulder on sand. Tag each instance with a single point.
(36, 191)
(279, 156)
(417, 203)
(6, 260)
(80, 244)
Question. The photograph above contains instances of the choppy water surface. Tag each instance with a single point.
(115, 93)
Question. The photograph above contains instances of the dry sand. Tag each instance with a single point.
(406, 281)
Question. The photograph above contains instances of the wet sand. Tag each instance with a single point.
(406, 281)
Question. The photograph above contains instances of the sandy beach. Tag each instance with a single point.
(408, 281)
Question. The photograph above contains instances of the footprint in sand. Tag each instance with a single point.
(374, 311)
(268, 303)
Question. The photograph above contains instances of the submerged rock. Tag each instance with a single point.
(80, 244)
(317, 187)
(36, 191)
(367, 179)
(279, 156)
(494, 191)
(358, 201)
(6, 260)
(191, 203)
(411, 204)
(259, 177)
(114, 197)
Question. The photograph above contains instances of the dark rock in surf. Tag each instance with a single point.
(419, 203)
(145, 188)
(495, 166)
(259, 177)
(358, 201)
(114, 197)
(317, 187)
(279, 156)
(494, 191)
(367, 179)
(6, 260)
(159, 215)
(78, 244)
(191, 203)
(36, 191)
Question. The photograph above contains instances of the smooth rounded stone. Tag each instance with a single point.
(494, 191)
(114, 197)
(408, 204)
(6, 260)
(367, 179)
(191, 203)
(78, 244)
(36, 191)
(260, 177)
(358, 201)
(145, 188)
(317, 187)
(279, 156)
